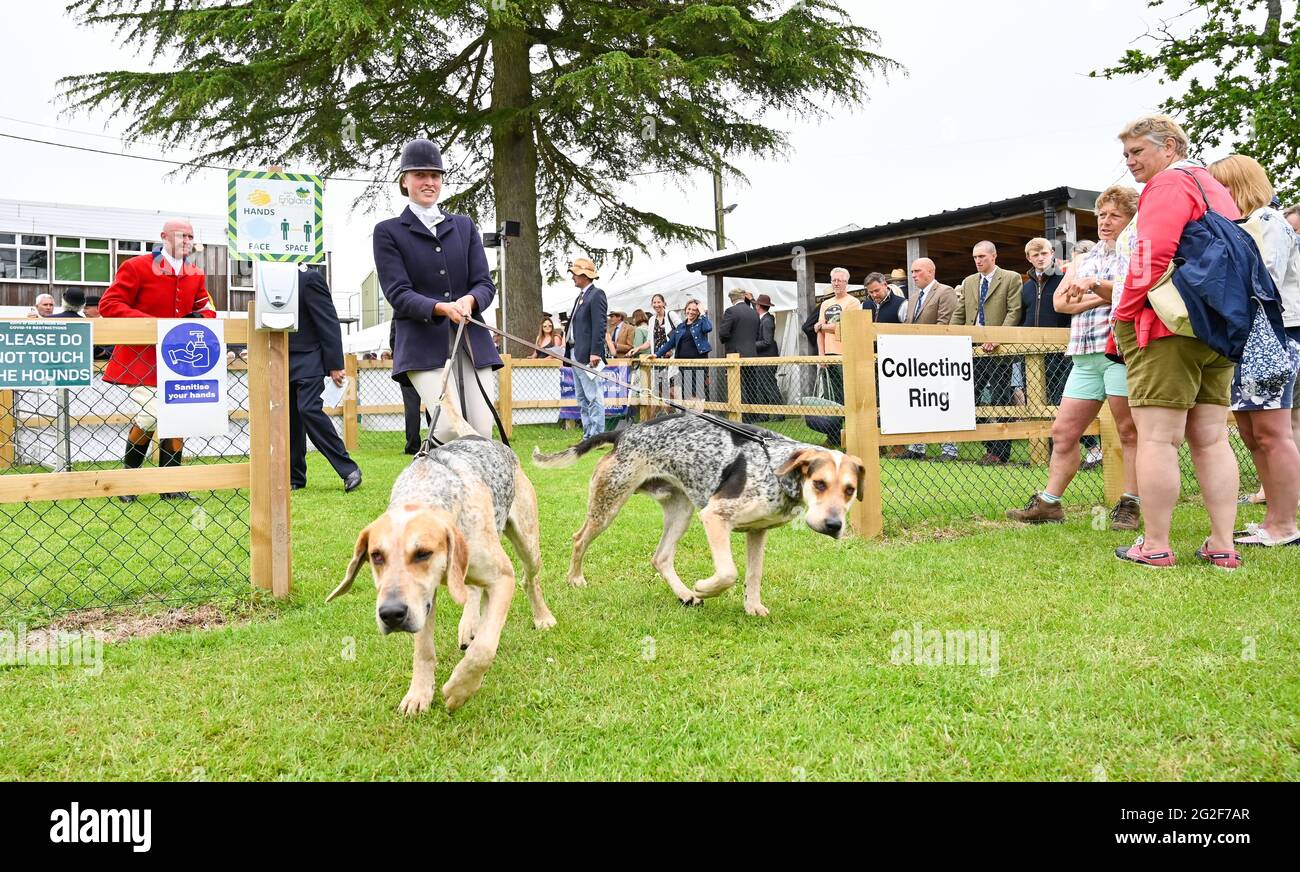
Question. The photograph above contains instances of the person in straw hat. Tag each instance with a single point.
(587, 323)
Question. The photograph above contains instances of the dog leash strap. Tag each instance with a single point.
(430, 442)
(747, 433)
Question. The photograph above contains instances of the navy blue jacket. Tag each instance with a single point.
(1036, 307)
(701, 326)
(587, 324)
(317, 347)
(417, 270)
(889, 312)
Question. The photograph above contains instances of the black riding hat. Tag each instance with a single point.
(419, 154)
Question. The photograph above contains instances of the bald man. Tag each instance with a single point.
(933, 302)
(156, 285)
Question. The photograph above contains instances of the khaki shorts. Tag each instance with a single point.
(1176, 372)
(145, 400)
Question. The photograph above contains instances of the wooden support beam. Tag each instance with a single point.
(96, 483)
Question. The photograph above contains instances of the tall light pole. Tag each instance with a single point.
(719, 211)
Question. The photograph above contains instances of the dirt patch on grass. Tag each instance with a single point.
(119, 625)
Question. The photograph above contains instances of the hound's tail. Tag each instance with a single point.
(569, 456)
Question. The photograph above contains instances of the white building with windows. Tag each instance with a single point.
(48, 247)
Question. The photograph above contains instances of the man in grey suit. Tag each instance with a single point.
(990, 297)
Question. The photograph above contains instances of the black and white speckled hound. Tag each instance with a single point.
(443, 526)
(737, 483)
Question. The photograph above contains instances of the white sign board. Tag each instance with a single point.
(926, 383)
(275, 217)
(192, 378)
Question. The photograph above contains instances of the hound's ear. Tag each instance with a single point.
(457, 564)
(797, 461)
(862, 472)
(359, 556)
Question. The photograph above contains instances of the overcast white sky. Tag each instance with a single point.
(996, 102)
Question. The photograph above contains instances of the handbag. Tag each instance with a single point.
(1168, 303)
(1268, 364)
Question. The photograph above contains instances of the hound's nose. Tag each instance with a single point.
(833, 526)
(392, 614)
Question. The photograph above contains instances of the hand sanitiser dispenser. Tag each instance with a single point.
(277, 295)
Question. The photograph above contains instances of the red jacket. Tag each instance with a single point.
(1169, 202)
(146, 287)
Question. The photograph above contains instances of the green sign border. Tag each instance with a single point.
(318, 230)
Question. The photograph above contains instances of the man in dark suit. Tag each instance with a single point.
(74, 299)
(410, 405)
(885, 306)
(765, 376)
(586, 339)
(315, 349)
(739, 334)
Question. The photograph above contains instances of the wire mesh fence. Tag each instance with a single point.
(69, 553)
(1017, 384)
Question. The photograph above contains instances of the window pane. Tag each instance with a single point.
(97, 268)
(34, 240)
(7, 238)
(67, 242)
(127, 245)
(34, 264)
(8, 263)
(67, 266)
(97, 244)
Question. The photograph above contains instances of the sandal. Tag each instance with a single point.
(1249, 500)
(1221, 559)
(1260, 536)
(1134, 554)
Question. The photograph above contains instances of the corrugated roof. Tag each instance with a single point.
(1074, 198)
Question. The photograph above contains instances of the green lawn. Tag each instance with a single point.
(1104, 670)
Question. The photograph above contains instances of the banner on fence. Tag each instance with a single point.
(926, 383)
(192, 378)
(52, 353)
(622, 372)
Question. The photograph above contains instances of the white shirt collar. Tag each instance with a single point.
(988, 275)
(173, 262)
(430, 216)
(924, 290)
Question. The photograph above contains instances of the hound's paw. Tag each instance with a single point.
(712, 586)
(465, 638)
(758, 610)
(690, 601)
(545, 622)
(577, 581)
(455, 693)
(416, 701)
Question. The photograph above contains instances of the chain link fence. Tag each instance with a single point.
(1016, 384)
(66, 554)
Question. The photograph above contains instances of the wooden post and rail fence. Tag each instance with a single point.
(265, 475)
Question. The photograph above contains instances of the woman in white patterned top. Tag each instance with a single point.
(1085, 294)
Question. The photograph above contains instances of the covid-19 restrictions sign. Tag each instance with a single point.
(54, 353)
(275, 217)
(192, 378)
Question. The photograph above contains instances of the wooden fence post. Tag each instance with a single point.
(733, 387)
(1112, 457)
(1036, 397)
(506, 395)
(862, 428)
(8, 432)
(647, 405)
(270, 564)
(350, 400)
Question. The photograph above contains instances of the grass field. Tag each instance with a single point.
(1102, 669)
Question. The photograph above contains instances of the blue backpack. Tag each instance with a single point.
(1225, 285)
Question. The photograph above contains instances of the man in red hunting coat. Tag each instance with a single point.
(156, 285)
